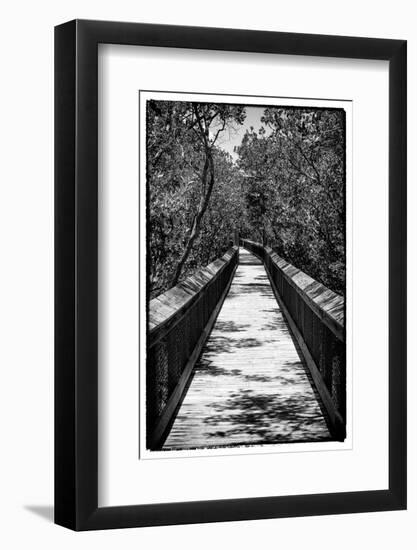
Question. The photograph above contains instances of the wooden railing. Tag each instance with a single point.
(316, 316)
(179, 322)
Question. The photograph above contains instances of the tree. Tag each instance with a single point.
(207, 122)
(181, 175)
(298, 170)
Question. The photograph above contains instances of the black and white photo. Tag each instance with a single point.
(245, 272)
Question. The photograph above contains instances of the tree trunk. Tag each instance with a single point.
(207, 186)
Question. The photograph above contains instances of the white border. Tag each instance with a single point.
(123, 479)
(242, 449)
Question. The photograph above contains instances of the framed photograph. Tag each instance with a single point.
(230, 254)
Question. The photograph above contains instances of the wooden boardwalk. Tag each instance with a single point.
(250, 385)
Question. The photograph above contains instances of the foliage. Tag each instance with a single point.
(191, 187)
(295, 189)
(286, 188)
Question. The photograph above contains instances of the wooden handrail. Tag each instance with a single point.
(325, 303)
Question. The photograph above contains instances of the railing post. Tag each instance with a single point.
(236, 237)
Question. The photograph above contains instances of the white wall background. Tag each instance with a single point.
(26, 289)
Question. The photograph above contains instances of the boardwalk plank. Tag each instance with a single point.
(250, 385)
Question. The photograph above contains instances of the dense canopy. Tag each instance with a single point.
(283, 186)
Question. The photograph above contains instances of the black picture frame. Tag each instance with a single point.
(76, 272)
